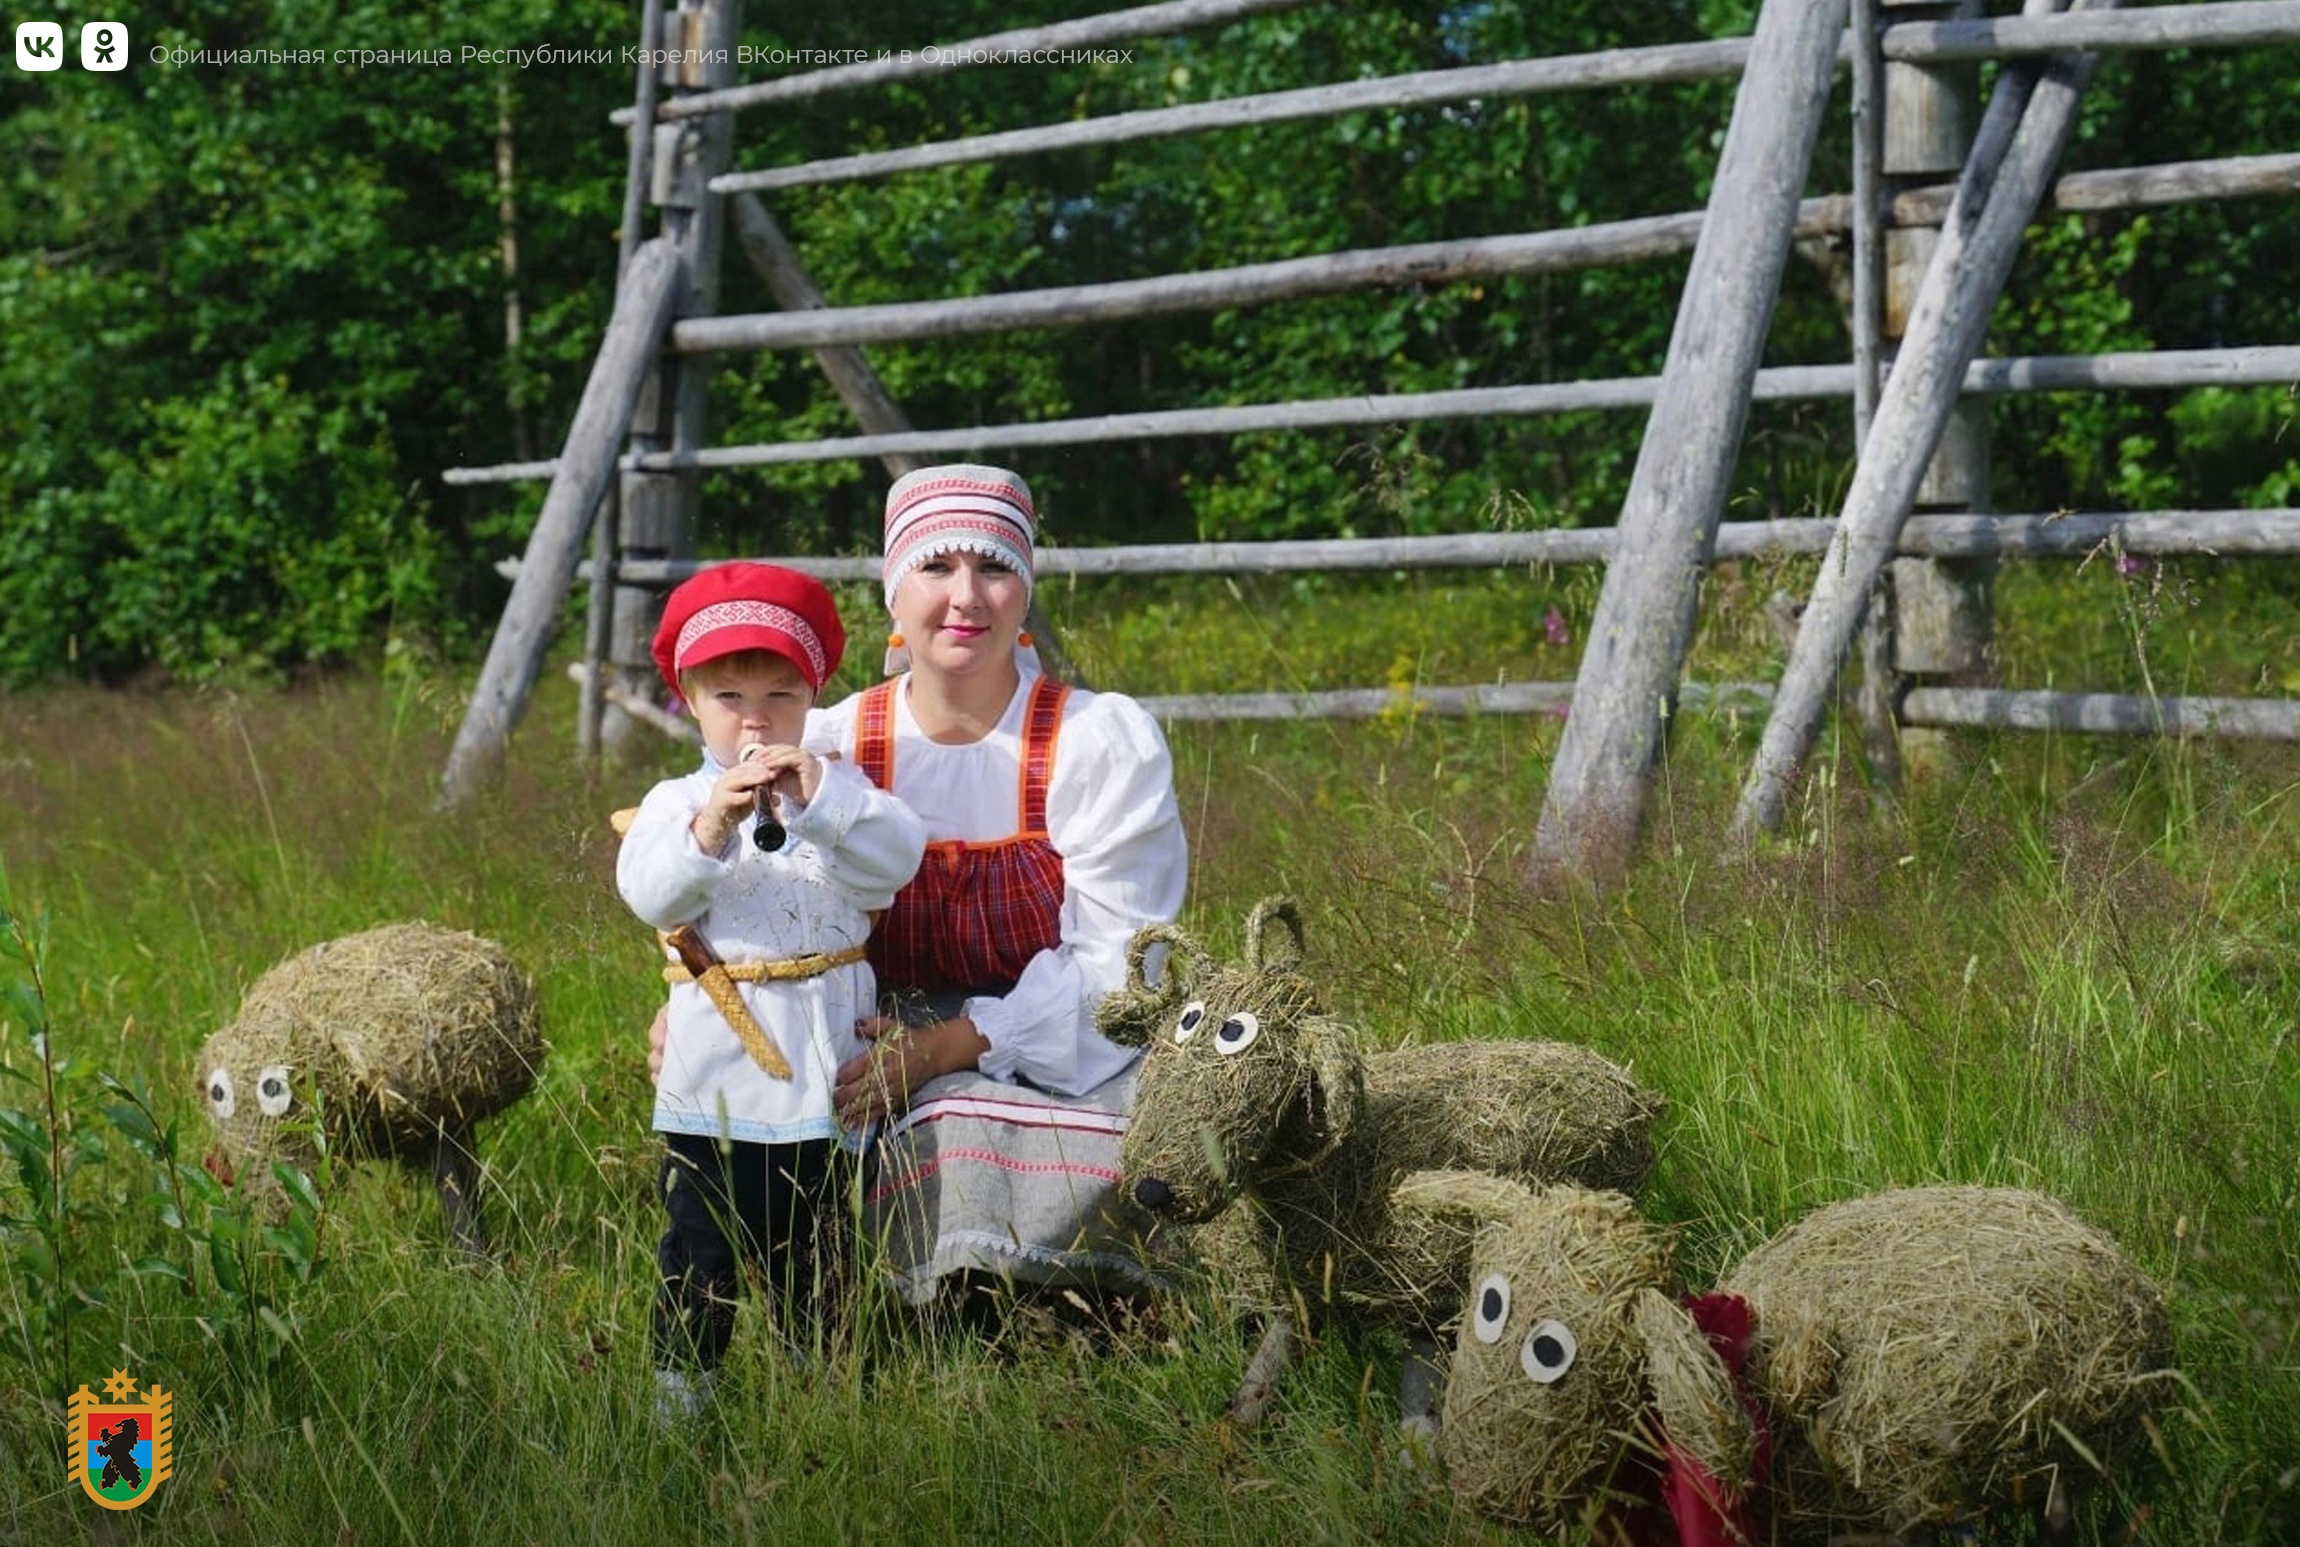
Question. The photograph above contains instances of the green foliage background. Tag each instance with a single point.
(248, 313)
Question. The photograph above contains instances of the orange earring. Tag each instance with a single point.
(1026, 639)
(894, 640)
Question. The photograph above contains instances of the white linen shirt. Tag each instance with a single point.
(848, 851)
(1111, 815)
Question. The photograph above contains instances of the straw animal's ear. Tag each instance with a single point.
(1339, 1078)
(1132, 1015)
(1262, 950)
(621, 820)
(1459, 1201)
(1693, 1392)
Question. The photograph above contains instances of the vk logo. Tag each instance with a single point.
(39, 45)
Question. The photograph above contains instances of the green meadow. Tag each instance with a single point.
(2054, 962)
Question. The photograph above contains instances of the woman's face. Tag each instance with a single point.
(960, 613)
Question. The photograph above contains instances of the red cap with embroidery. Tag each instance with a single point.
(731, 607)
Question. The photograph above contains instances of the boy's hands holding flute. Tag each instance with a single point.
(762, 772)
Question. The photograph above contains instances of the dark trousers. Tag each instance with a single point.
(777, 1209)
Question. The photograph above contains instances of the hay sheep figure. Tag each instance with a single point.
(1253, 1094)
(397, 1041)
(1910, 1360)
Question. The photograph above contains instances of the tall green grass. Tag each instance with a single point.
(2061, 964)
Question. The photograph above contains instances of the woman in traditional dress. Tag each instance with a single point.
(1052, 836)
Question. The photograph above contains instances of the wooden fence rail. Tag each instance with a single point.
(1086, 32)
(2266, 365)
(2112, 714)
(2072, 534)
(2154, 29)
(837, 332)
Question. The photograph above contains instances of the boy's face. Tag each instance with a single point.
(752, 695)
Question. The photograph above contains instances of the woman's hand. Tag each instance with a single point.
(658, 1036)
(880, 1080)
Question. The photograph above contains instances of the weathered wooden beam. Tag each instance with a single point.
(859, 386)
(851, 376)
(2078, 534)
(2114, 714)
(1865, 320)
(1210, 290)
(2142, 29)
(2117, 188)
(1372, 703)
(1630, 668)
(2011, 166)
(657, 513)
(592, 699)
(2063, 534)
(515, 656)
(1610, 242)
(1147, 21)
(639, 708)
(2228, 25)
(1666, 63)
(2255, 366)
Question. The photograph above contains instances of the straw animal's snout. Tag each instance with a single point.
(256, 1093)
(1218, 1085)
(1548, 1371)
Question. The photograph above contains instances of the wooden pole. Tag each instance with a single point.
(1255, 284)
(1665, 64)
(1369, 703)
(794, 290)
(1867, 219)
(592, 696)
(515, 656)
(659, 509)
(1147, 21)
(2114, 714)
(1968, 39)
(2062, 534)
(1629, 672)
(1937, 614)
(859, 386)
(2145, 29)
(2011, 166)
(2271, 365)
(1526, 252)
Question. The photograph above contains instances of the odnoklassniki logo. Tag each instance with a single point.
(119, 1442)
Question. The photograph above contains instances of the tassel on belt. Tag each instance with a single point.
(700, 965)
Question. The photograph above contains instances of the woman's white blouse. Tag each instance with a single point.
(1110, 813)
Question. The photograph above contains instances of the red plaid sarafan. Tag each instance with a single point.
(977, 912)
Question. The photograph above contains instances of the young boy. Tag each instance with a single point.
(777, 859)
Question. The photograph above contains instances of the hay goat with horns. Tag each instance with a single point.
(1886, 1365)
(396, 1041)
(1251, 1091)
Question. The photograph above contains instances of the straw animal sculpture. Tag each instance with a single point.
(1253, 1094)
(396, 1041)
(1887, 1365)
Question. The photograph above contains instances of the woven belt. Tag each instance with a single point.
(789, 970)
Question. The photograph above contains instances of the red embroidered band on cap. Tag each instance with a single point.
(744, 613)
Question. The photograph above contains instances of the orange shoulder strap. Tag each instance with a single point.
(874, 734)
(1041, 726)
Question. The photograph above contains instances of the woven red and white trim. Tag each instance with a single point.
(960, 508)
(753, 614)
